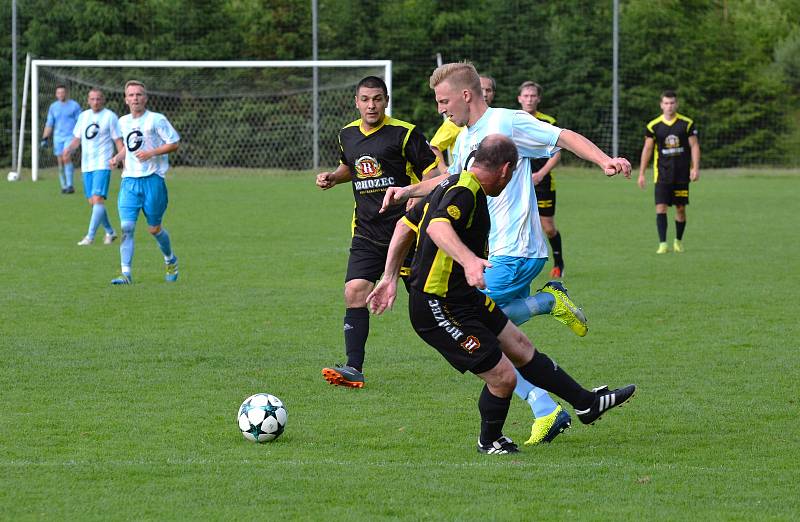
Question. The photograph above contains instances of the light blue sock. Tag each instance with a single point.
(540, 402)
(68, 171)
(126, 245)
(98, 213)
(520, 310)
(106, 223)
(61, 178)
(162, 238)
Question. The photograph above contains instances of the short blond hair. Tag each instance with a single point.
(134, 82)
(461, 75)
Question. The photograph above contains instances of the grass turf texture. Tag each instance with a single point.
(120, 402)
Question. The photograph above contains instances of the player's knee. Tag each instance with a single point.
(96, 200)
(128, 228)
(505, 379)
(355, 293)
(155, 229)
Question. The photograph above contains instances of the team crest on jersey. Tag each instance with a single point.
(672, 145)
(470, 344)
(92, 130)
(367, 167)
(454, 212)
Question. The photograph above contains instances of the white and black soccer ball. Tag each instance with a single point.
(13, 176)
(261, 417)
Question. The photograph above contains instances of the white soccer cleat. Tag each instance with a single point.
(86, 241)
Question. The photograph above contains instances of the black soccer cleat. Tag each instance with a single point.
(604, 400)
(501, 446)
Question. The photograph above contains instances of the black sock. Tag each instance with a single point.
(680, 226)
(494, 411)
(555, 246)
(545, 373)
(356, 331)
(661, 225)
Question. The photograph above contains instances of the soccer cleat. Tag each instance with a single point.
(501, 446)
(86, 241)
(69, 190)
(557, 272)
(172, 269)
(662, 248)
(343, 375)
(677, 246)
(564, 309)
(547, 428)
(122, 279)
(604, 400)
(109, 238)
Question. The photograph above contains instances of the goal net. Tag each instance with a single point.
(251, 114)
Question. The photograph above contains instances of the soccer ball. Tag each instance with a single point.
(261, 417)
(13, 176)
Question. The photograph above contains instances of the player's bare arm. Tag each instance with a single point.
(167, 148)
(647, 152)
(445, 237)
(399, 195)
(442, 166)
(383, 295)
(694, 145)
(327, 180)
(585, 149)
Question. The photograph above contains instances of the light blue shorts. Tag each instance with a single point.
(148, 194)
(95, 183)
(59, 144)
(510, 277)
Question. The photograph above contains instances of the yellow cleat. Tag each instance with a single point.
(546, 428)
(564, 310)
(662, 248)
(677, 245)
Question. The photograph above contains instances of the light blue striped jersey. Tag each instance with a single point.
(61, 116)
(516, 230)
(147, 132)
(97, 132)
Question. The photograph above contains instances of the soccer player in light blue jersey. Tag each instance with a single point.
(147, 139)
(517, 249)
(61, 118)
(97, 133)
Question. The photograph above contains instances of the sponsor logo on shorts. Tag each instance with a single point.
(442, 321)
(470, 344)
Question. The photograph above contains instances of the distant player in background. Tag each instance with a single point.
(445, 137)
(97, 133)
(530, 94)
(148, 137)
(517, 251)
(677, 162)
(377, 152)
(61, 118)
(451, 228)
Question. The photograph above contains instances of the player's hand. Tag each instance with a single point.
(615, 166)
(65, 157)
(116, 161)
(382, 296)
(394, 196)
(641, 181)
(326, 180)
(473, 271)
(144, 155)
(694, 175)
(537, 177)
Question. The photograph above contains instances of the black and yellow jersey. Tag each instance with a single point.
(460, 200)
(538, 163)
(673, 157)
(395, 154)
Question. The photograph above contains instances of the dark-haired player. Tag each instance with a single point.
(677, 162)
(377, 152)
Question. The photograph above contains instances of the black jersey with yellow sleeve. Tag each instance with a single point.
(673, 157)
(460, 200)
(395, 154)
(538, 163)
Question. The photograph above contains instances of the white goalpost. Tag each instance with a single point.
(236, 114)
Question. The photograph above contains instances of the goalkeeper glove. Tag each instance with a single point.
(44, 142)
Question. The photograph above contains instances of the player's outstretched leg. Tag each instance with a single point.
(564, 310)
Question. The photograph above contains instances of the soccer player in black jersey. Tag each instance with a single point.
(530, 94)
(677, 162)
(451, 227)
(377, 152)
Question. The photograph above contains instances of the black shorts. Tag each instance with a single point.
(368, 258)
(463, 330)
(672, 194)
(546, 196)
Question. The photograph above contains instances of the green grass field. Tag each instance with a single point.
(120, 402)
